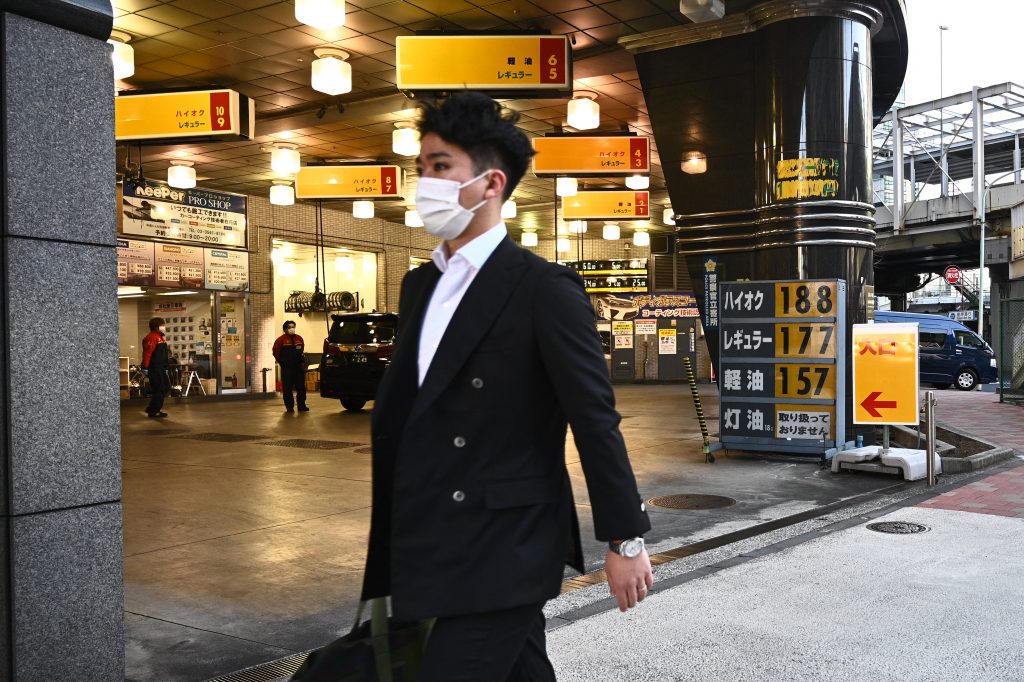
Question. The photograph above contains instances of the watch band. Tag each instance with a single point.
(617, 546)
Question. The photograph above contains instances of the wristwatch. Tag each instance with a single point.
(628, 548)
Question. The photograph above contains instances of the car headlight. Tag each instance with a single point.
(992, 362)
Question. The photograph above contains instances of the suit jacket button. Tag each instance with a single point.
(477, 382)
(458, 496)
(459, 442)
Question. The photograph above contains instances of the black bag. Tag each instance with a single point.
(379, 650)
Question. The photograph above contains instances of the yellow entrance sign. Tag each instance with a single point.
(591, 155)
(611, 205)
(348, 182)
(885, 374)
(167, 115)
(498, 62)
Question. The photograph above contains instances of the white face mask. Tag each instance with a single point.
(162, 329)
(437, 201)
(290, 330)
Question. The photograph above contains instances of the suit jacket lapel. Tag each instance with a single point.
(479, 308)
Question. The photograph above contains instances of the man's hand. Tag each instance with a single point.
(628, 579)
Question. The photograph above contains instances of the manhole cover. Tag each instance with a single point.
(691, 501)
(221, 437)
(897, 527)
(311, 444)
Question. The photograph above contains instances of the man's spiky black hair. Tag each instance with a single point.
(477, 124)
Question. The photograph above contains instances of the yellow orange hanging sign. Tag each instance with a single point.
(194, 114)
(591, 155)
(607, 205)
(349, 182)
(483, 62)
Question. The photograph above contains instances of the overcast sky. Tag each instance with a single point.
(983, 46)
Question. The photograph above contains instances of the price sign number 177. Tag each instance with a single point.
(806, 340)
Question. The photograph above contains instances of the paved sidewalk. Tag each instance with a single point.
(983, 415)
(844, 604)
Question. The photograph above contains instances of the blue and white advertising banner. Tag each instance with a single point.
(156, 210)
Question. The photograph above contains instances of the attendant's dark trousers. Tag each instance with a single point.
(293, 379)
(502, 645)
(158, 386)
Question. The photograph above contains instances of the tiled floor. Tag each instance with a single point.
(983, 415)
(1001, 494)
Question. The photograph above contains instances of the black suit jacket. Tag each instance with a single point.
(472, 505)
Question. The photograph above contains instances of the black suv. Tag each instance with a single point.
(357, 350)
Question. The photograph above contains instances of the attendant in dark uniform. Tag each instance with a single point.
(155, 358)
(289, 351)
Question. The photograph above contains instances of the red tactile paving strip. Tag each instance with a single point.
(981, 414)
(1000, 494)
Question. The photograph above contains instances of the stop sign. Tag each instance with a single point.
(951, 274)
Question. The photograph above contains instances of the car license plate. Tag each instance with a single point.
(359, 358)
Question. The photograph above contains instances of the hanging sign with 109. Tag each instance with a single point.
(781, 364)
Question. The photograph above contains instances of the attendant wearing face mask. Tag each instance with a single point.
(155, 358)
(289, 351)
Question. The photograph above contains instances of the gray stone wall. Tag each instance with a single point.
(60, 474)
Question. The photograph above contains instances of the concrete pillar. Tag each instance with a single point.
(61, 614)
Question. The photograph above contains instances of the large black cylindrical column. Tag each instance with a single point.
(776, 104)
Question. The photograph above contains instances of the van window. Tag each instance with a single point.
(966, 338)
(931, 339)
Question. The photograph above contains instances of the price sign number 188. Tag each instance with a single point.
(805, 299)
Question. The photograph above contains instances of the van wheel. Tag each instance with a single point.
(353, 405)
(966, 380)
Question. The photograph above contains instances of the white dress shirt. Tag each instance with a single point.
(457, 273)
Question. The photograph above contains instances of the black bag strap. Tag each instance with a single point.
(378, 634)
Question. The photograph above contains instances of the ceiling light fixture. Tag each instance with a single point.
(412, 218)
(332, 75)
(584, 113)
(405, 139)
(285, 159)
(566, 187)
(282, 194)
(562, 245)
(668, 216)
(123, 56)
(508, 210)
(322, 14)
(641, 238)
(529, 238)
(638, 182)
(610, 232)
(694, 163)
(181, 174)
(577, 226)
(362, 209)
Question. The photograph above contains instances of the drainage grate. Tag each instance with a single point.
(221, 437)
(281, 669)
(311, 444)
(691, 501)
(897, 527)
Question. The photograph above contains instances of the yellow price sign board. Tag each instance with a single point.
(805, 422)
(591, 155)
(348, 182)
(805, 299)
(796, 340)
(168, 115)
(483, 62)
(805, 381)
(607, 205)
(885, 374)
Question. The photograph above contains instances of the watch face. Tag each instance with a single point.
(632, 548)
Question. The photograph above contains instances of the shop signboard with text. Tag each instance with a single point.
(155, 210)
(483, 62)
(173, 116)
(611, 276)
(143, 263)
(782, 368)
(591, 155)
(650, 306)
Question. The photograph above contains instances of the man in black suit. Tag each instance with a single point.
(473, 513)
